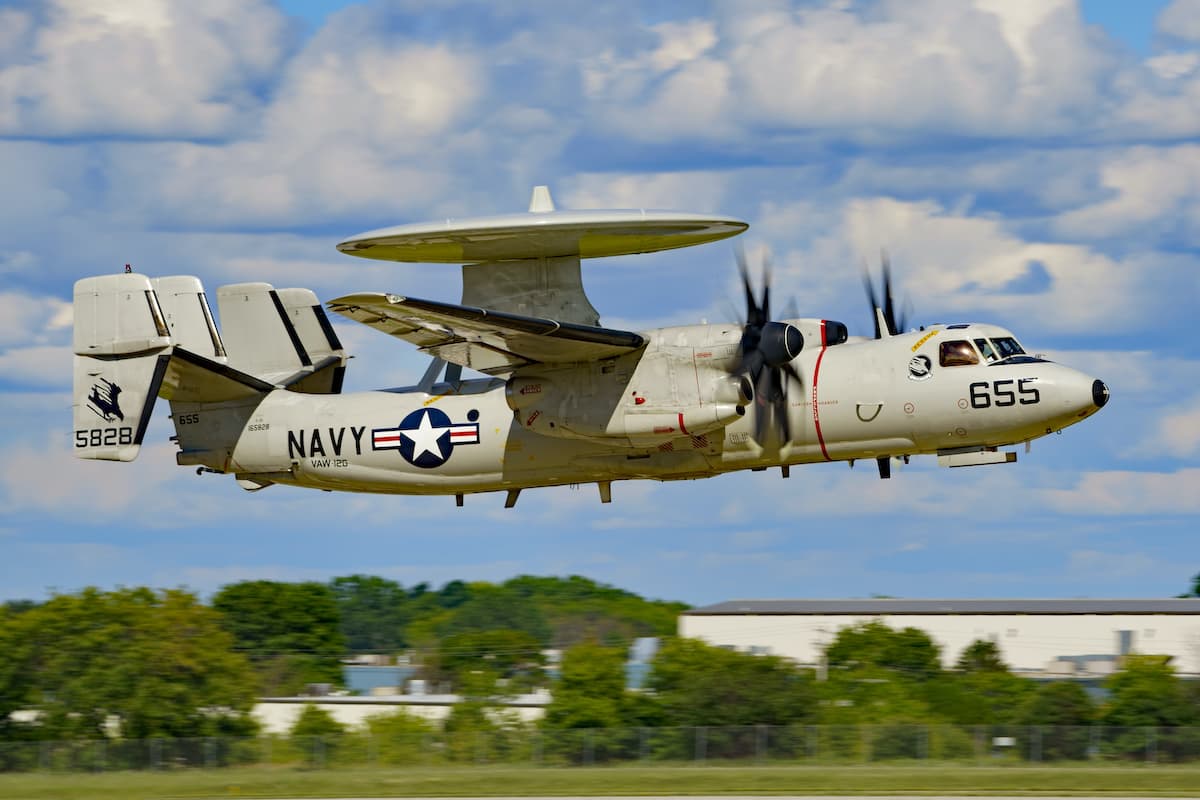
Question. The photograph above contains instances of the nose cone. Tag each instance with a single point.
(1099, 393)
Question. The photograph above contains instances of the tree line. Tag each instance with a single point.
(142, 663)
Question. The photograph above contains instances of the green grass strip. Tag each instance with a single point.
(484, 781)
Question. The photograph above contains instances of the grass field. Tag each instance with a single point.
(1097, 781)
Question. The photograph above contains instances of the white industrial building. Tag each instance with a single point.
(279, 714)
(1082, 638)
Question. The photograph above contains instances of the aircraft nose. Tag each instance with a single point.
(1099, 393)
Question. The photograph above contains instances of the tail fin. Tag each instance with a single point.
(281, 336)
(188, 316)
(137, 338)
(122, 347)
(319, 341)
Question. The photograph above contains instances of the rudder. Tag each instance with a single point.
(122, 347)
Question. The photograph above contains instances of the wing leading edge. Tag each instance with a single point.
(492, 342)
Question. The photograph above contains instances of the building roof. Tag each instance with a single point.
(879, 606)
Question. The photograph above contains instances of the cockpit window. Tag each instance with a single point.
(1008, 346)
(957, 353)
(989, 352)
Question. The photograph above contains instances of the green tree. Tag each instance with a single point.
(478, 728)
(700, 685)
(981, 656)
(588, 715)
(908, 652)
(512, 655)
(492, 607)
(1146, 693)
(316, 734)
(887, 678)
(980, 691)
(291, 632)
(590, 690)
(16, 673)
(373, 612)
(1062, 712)
(157, 664)
(400, 738)
(1195, 591)
(581, 610)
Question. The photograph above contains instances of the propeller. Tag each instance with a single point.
(888, 307)
(765, 353)
(887, 313)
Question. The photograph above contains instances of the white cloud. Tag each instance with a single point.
(1178, 431)
(28, 318)
(1124, 493)
(963, 263)
(42, 365)
(1180, 20)
(363, 129)
(48, 478)
(1141, 187)
(701, 191)
(138, 68)
(986, 68)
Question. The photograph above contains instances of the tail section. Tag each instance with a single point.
(281, 336)
(138, 338)
(188, 316)
(320, 342)
(122, 347)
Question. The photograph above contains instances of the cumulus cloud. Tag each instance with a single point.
(30, 318)
(137, 68)
(824, 74)
(1178, 431)
(358, 130)
(1142, 187)
(1180, 20)
(1125, 493)
(969, 263)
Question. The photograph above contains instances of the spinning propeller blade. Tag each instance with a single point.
(765, 353)
(888, 308)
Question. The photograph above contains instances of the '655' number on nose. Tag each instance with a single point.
(1001, 393)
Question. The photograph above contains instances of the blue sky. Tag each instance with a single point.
(1034, 164)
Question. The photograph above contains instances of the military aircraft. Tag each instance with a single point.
(561, 399)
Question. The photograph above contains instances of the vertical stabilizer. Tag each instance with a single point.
(319, 340)
(188, 316)
(122, 346)
(259, 335)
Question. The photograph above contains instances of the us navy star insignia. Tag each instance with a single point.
(426, 438)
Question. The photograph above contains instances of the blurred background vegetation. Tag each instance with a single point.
(142, 664)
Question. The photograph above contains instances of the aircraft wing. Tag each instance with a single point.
(492, 342)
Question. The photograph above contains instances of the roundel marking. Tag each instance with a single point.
(426, 438)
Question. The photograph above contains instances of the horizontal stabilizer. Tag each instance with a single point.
(193, 378)
(493, 342)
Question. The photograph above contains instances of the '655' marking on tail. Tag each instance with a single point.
(426, 438)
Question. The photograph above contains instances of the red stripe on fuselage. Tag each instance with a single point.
(815, 408)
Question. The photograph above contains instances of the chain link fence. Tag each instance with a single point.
(761, 744)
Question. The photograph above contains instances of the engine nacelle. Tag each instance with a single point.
(525, 392)
(541, 406)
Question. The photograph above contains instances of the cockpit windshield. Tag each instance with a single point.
(989, 352)
(1008, 346)
(1001, 348)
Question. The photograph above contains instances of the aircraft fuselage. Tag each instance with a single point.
(667, 412)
